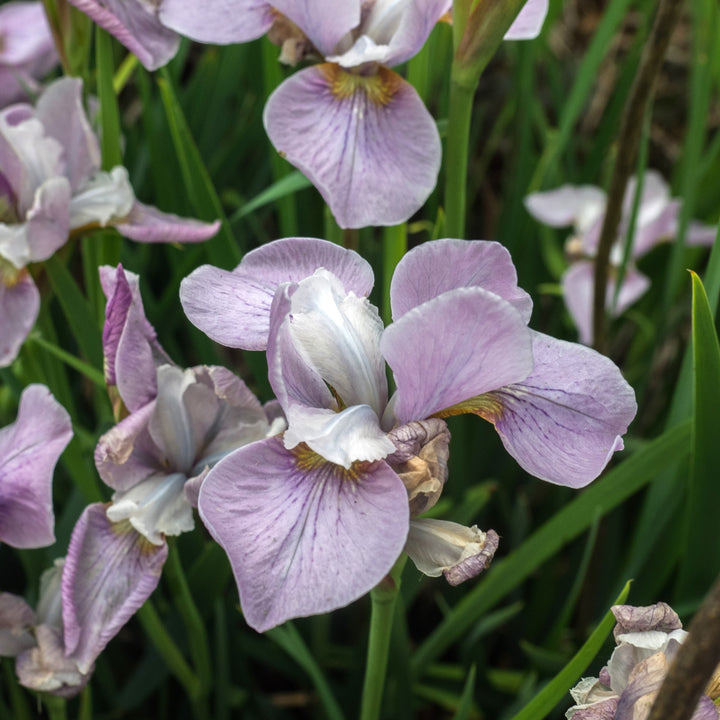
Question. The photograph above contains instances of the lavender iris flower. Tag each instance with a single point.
(29, 450)
(583, 207)
(320, 514)
(27, 50)
(51, 185)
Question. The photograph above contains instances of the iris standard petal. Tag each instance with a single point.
(106, 197)
(29, 450)
(19, 307)
(147, 224)
(218, 21)
(110, 571)
(431, 269)
(233, 308)
(136, 25)
(367, 143)
(564, 421)
(303, 536)
(528, 24)
(458, 345)
(48, 220)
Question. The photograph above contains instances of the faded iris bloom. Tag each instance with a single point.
(27, 50)
(647, 639)
(314, 519)
(29, 450)
(51, 185)
(583, 207)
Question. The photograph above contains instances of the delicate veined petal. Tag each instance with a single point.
(19, 307)
(431, 269)
(303, 536)
(529, 22)
(461, 344)
(663, 227)
(218, 21)
(341, 438)
(16, 617)
(233, 308)
(578, 205)
(110, 571)
(136, 25)
(440, 547)
(564, 421)
(29, 450)
(25, 39)
(48, 220)
(62, 114)
(367, 143)
(146, 223)
(325, 22)
(104, 198)
(632, 619)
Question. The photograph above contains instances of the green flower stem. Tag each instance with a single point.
(56, 707)
(197, 637)
(394, 247)
(383, 598)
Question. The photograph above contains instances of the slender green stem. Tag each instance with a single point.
(85, 369)
(394, 247)
(18, 700)
(56, 707)
(383, 598)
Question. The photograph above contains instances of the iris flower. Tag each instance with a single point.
(583, 207)
(29, 450)
(51, 185)
(313, 519)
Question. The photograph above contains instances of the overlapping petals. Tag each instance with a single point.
(29, 450)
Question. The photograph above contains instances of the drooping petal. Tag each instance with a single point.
(632, 619)
(433, 268)
(654, 197)
(25, 35)
(440, 547)
(110, 571)
(19, 307)
(105, 198)
(565, 420)
(146, 223)
(325, 22)
(461, 344)
(29, 450)
(16, 618)
(578, 205)
(136, 25)
(48, 220)
(218, 21)
(367, 143)
(303, 536)
(529, 22)
(233, 308)
(61, 112)
(699, 234)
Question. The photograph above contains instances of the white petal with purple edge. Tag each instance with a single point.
(461, 344)
(433, 268)
(110, 571)
(19, 306)
(105, 197)
(528, 24)
(303, 536)
(565, 420)
(368, 144)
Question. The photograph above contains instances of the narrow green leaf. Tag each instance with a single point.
(291, 183)
(463, 711)
(505, 575)
(95, 376)
(553, 692)
(109, 114)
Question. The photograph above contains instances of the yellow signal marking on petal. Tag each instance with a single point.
(487, 406)
(379, 88)
(9, 274)
(308, 461)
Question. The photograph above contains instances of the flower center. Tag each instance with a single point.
(379, 87)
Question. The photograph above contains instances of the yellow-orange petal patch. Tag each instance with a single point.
(487, 406)
(379, 88)
(308, 461)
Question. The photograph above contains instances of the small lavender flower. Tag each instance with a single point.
(322, 513)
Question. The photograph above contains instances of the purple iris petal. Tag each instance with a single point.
(367, 143)
(19, 307)
(233, 308)
(29, 450)
(433, 268)
(564, 421)
(529, 22)
(303, 536)
(16, 618)
(461, 344)
(578, 205)
(110, 571)
(147, 224)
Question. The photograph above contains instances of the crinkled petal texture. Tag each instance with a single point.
(529, 22)
(233, 308)
(29, 450)
(367, 143)
(110, 571)
(433, 268)
(460, 344)
(19, 307)
(303, 536)
(106, 198)
(564, 421)
(146, 223)
(577, 205)
(218, 21)
(136, 25)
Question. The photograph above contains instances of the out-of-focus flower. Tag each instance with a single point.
(29, 450)
(647, 639)
(337, 486)
(583, 207)
(51, 184)
(27, 50)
